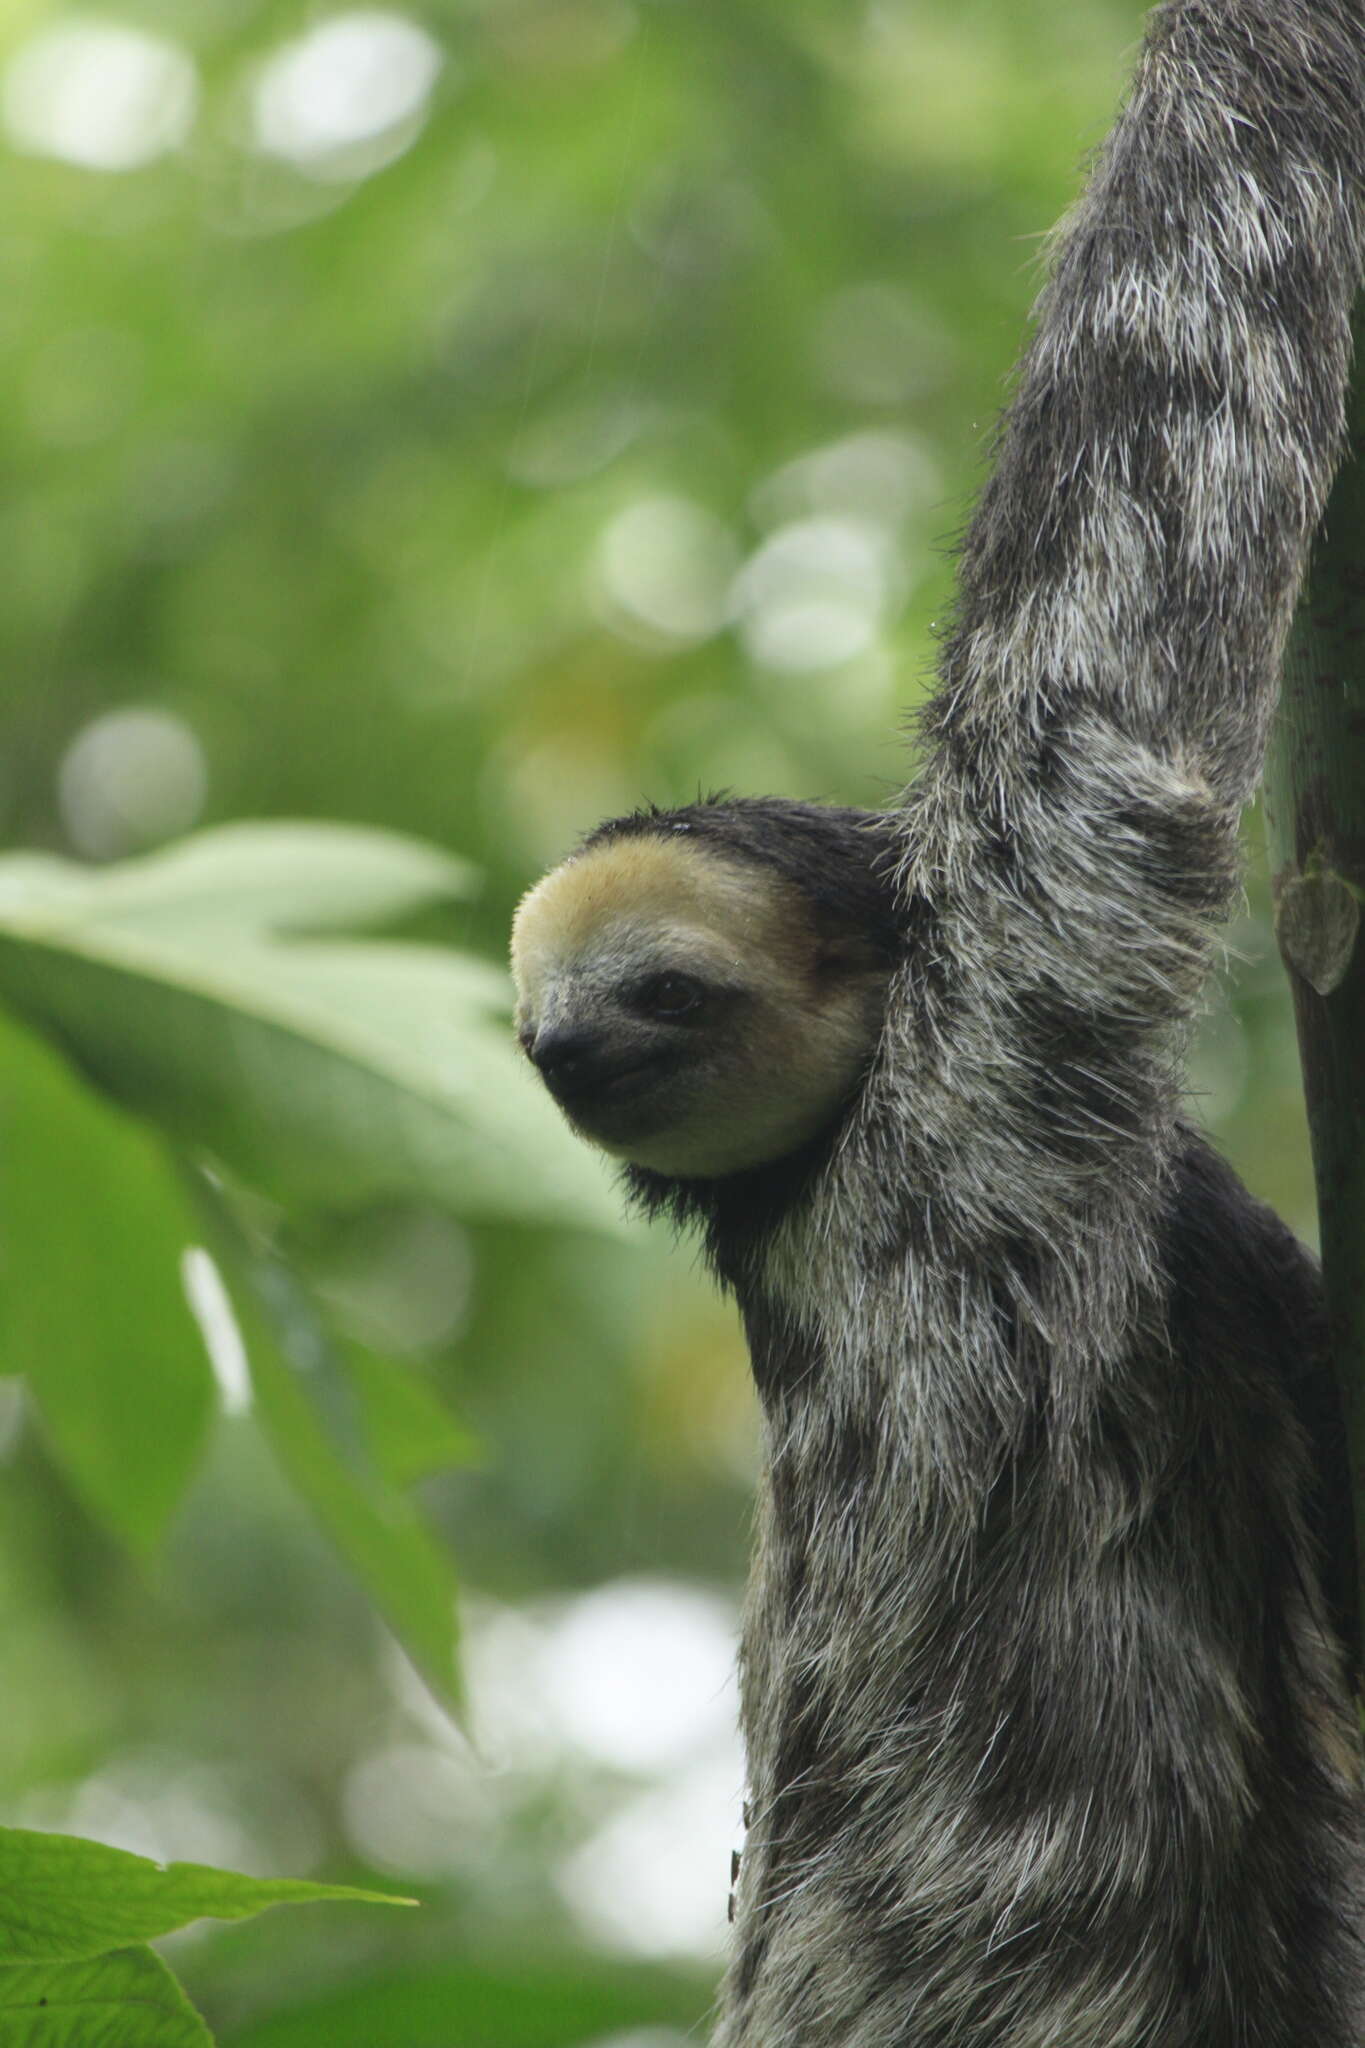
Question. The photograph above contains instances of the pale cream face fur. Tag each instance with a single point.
(763, 1066)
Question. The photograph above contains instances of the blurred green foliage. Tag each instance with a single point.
(462, 419)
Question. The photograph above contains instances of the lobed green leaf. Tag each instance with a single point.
(125, 2000)
(409, 1429)
(321, 1434)
(63, 1898)
(93, 1227)
(326, 1073)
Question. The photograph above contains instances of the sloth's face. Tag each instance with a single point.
(683, 1011)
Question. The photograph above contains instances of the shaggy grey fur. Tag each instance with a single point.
(1049, 1741)
(1045, 1658)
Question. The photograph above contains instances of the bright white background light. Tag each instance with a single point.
(640, 1674)
(664, 566)
(816, 593)
(628, 1693)
(347, 97)
(100, 95)
(653, 1880)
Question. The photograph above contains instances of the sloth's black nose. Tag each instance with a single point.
(567, 1053)
(586, 1069)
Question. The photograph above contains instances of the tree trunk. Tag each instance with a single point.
(1315, 813)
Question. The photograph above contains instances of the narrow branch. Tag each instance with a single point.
(1315, 811)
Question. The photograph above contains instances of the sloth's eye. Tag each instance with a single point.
(669, 995)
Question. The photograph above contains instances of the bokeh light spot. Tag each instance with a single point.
(348, 97)
(653, 1880)
(417, 1810)
(664, 566)
(643, 2037)
(816, 593)
(101, 95)
(640, 1673)
(881, 475)
(130, 780)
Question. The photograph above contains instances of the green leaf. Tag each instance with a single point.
(305, 1405)
(381, 1535)
(62, 1897)
(409, 1429)
(127, 2000)
(281, 876)
(328, 1073)
(93, 1226)
(477, 2005)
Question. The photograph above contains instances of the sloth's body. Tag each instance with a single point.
(1053, 1599)
(1045, 1659)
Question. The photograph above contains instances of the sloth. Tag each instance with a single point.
(1048, 1656)
(701, 990)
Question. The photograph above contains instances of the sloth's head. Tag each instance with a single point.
(701, 990)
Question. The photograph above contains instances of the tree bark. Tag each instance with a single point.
(1315, 815)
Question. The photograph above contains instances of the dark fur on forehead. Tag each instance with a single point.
(840, 858)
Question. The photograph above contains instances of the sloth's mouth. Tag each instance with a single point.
(608, 1082)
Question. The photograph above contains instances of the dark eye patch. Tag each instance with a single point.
(668, 996)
